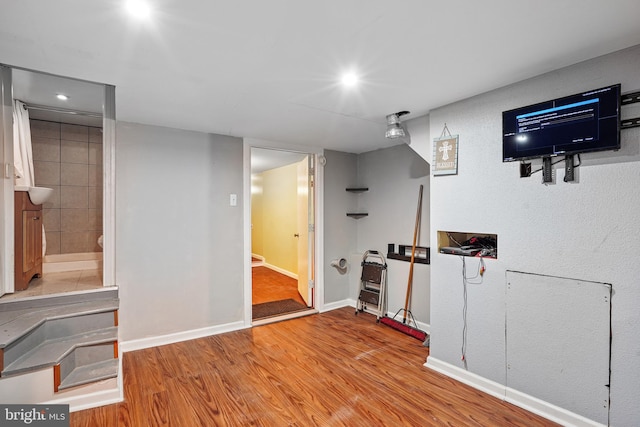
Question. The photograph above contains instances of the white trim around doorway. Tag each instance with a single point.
(248, 144)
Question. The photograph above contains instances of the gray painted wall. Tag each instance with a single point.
(393, 176)
(587, 230)
(340, 237)
(178, 242)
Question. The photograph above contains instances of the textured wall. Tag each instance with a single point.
(586, 230)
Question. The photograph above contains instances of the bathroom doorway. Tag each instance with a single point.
(282, 232)
(71, 153)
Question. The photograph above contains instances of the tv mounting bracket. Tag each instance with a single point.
(625, 99)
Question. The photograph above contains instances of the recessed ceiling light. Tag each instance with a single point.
(349, 79)
(138, 8)
(62, 97)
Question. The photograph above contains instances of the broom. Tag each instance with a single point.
(395, 324)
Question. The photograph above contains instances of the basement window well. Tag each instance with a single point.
(468, 244)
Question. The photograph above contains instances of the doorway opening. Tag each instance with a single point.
(282, 233)
(70, 151)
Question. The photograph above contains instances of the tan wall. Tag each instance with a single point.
(275, 223)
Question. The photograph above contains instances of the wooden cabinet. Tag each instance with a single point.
(28, 240)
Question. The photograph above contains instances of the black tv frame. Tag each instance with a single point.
(584, 122)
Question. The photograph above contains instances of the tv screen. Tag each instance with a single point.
(588, 121)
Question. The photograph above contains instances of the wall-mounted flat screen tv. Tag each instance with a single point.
(581, 123)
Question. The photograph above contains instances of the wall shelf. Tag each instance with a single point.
(357, 215)
(421, 255)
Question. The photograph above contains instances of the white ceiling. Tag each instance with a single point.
(271, 69)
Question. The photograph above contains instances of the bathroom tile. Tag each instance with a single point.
(95, 198)
(51, 219)
(95, 175)
(74, 152)
(95, 135)
(94, 221)
(74, 132)
(58, 287)
(72, 197)
(53, 202)
(74, 174)
(63, 277)
(74, 220)
(74, 242)
(53, 242)
(95, 153)
(42, 129)
(46, 173)
(45, 149)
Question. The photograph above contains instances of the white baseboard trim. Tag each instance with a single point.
(92, 399)
(143, 343)
(547, 410)
(476, 381)
(530, 403)
(337, 304)
(281, 271)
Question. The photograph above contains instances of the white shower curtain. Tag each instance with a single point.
(22, 153)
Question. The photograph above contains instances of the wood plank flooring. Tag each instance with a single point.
(330, 369)
(269, 285)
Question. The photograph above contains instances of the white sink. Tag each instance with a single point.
(38, 195)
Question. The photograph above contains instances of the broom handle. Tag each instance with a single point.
(413, 255)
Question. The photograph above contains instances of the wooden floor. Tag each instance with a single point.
(341, 370)
(269, 285)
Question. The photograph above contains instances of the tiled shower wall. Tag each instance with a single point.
(68, 158)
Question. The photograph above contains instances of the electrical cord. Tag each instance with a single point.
(475, 280)
(556, 162)
(552, 164)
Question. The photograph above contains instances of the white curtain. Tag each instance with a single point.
(22, 153)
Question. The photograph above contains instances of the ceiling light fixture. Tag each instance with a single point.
(395, 129)
(138, 8)
(349, 79)
(62, 97)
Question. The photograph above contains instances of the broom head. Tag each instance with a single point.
(404, 328)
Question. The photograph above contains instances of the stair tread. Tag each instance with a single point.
(51, 352)
(85, 374)
(16, 323)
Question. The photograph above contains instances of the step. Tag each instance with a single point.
(86, 374)
(51, 352)
(40, 301)
(15, 324)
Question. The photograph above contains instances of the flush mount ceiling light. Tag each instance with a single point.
(394, 126)
(62, 97)
(349, 79)
(138, 8)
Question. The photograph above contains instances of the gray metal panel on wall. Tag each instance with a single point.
(565, 324)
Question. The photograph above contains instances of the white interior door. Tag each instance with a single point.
(306, 230)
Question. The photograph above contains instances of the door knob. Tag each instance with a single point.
(296, 235)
